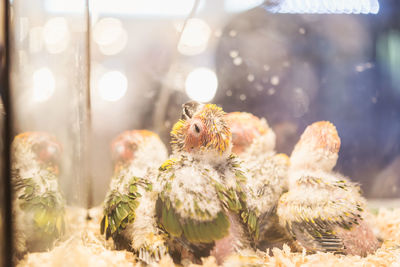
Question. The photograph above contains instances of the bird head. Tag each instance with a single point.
(37, 148)
(137, 145)
(203, 132)
(317, 148)
(247, 130)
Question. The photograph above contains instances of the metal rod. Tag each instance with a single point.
(88, 128)
(8, 132)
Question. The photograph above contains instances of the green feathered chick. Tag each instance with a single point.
(254, 143)
(202, 198)
(38, 205)
(323, 210)
(129, 207)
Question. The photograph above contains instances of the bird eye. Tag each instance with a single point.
(196, 128)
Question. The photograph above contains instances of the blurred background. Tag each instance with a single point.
(146, 58)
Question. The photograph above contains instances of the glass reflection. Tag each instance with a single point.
(38, 203)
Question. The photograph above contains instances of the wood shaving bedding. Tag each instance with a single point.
(86, 247)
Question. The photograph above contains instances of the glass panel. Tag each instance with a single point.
(87, 91)
(49, 82)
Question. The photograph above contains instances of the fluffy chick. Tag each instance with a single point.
(129, 207)
(254, 142)
(38, 205)
(323, 210)
(201, 199)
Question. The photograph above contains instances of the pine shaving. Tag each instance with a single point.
(86, 247)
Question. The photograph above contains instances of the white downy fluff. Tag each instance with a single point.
(263, 144)
(309, 158)
(143, 232)
(208, 156)
(26, 166)
(149, 156)
(267, 180)
(316, 196)
(192, 184)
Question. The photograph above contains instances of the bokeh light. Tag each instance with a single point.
(56, 35)
(110, 36)
(194, 38)
(112, 86)
(201, 84)
(43, 84)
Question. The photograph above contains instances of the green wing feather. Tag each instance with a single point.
(194, 231)
(47, 208)
(235, 198)
(205, 229)
(318, 231)
(266, 183)
(232, 198)
(229, 197)
(251, 219)
(119, 208)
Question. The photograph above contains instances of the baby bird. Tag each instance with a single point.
(202, 196)
(323, 210)
(129, 207)
(254, 142)
(250, 134)
(38, 205)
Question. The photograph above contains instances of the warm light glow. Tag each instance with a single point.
(62, 6)
(326, 6)
(112, 86)
(127, 7)
(201, 84)
(43, 84)
(56, 35)
(194, 37)
(110, 35)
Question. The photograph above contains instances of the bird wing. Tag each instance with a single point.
(235, 195)
(318, 210)
(46, 206)
(119, 207)
(265, 184)
(188, 206)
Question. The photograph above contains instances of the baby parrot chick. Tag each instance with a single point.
(38, 205)
(254, 142)
(323, 210)
(202, 196)
(129, 207)
(250, 134)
